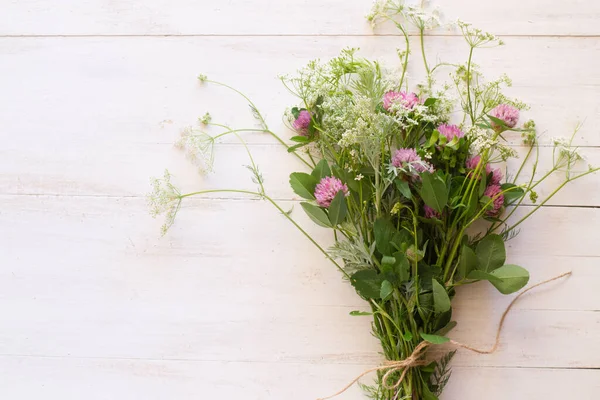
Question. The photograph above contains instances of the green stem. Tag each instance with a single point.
(425, 57)
(470, 104)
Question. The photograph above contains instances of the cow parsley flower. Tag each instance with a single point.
(326, 190)
(165, 199)
(198, 147)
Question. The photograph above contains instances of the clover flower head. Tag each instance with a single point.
(404, 156)
(494, 192)
(450, 131)
(430, 212)
(507, 113)
(327, 188)
(302, 122)
(496, 175)
(405, 99)
(409, 158)
(473, 162)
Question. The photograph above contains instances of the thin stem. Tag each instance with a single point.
(425, 57)
(470, 104)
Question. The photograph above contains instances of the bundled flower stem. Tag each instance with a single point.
(417, 202)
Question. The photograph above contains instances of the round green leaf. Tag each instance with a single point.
(316, 214)
(491, 253)
(303, 185)
(512, 278)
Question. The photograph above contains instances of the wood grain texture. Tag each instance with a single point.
(234, 302)
(269, 17)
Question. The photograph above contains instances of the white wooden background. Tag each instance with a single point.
(234, 303)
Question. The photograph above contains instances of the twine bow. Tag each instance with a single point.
(415, 359)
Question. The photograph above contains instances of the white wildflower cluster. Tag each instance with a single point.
(475, 37)
(198, 147)
(422, 18)
(165, 199)
(354, 118)
(312, 82)
(418, 14)
(565, 154)
(419, 113)
(480, 139)
(483, 140)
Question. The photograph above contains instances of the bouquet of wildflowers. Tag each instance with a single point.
(410, 181)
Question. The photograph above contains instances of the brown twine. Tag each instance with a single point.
(415, 359)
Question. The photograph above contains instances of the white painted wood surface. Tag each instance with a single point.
(233, 302)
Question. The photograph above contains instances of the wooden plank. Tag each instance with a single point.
(122, 90)
(202, 293)
(84, 170)
(96, 379)
(267, 17)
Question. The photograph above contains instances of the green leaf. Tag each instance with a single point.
(321, 170)
(433, 139)
(428, 395)
(434, 192)
(512, 278)
(386, 289)
(367, 283)
(449, 326)
(360, 313)
(497, 121)
(491, 252)
(295, 147)
(295, 112)
(300, 139)
(468, 261)
(316, 214)
(441, 301)
(303, 185)
(484, 276)
(430, 101)
(513, 194)
(407, 336)
(401, 267)
(403, 188)
(338, 209)
(384, 233)
(434, 339)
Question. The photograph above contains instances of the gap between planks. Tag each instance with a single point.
(219, 198)
(262, 35)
